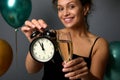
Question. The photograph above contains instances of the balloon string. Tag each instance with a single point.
(16, 50)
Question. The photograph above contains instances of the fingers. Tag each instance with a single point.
(27, 32)
(75, 68)
(36, 24)
(73, 62)
(25, 29)
(29, 24)
(33, 25)
(77, 74)
(42, 23)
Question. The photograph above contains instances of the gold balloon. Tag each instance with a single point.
(6, 56)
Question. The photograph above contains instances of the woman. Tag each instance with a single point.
(90, 52)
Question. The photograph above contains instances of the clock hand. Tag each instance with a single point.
(43, 48)
(41, 45)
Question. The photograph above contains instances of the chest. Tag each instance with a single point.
(82, 47)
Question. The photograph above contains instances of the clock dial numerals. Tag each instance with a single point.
(42, 49)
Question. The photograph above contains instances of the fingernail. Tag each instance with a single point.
(65, 62)
(28, 28)
(66, 75)
(33, 26)
(63, 70)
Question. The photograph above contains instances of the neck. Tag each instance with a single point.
(78, 31)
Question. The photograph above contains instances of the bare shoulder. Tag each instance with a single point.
(102, 43)
(101, 47)
(100, 57)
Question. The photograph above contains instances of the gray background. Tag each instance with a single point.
(104, 21)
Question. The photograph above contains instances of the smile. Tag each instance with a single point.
(68, 20)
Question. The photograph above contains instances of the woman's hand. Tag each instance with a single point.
(31, 65)
(33, 25)
(75, 69)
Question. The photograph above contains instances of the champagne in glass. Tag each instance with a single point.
(65, 45)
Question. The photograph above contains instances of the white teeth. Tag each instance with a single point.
(68, 20)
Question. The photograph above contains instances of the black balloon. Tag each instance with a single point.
(15, 12)
(113, 67)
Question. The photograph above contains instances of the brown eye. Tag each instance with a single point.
(71, 6)
(60, 9)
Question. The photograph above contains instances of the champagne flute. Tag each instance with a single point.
(65, 45)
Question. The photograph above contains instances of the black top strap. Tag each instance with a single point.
(93, 46)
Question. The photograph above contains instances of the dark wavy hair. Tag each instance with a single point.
(83, 2)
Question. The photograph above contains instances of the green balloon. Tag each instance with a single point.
(113, 67)
(15, 12)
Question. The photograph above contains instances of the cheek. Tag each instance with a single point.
(79, 14)
(60, 16)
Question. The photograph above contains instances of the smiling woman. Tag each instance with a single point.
(83, 3)
(89, 58)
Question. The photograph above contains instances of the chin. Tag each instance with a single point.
(68, 25)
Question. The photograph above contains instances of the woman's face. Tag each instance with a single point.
(70, 12)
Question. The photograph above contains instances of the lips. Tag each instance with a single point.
(68, 20)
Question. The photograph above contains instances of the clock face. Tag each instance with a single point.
(42, 49)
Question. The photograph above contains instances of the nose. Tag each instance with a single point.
(66, 12)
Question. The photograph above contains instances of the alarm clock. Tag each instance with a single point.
(42, 48)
